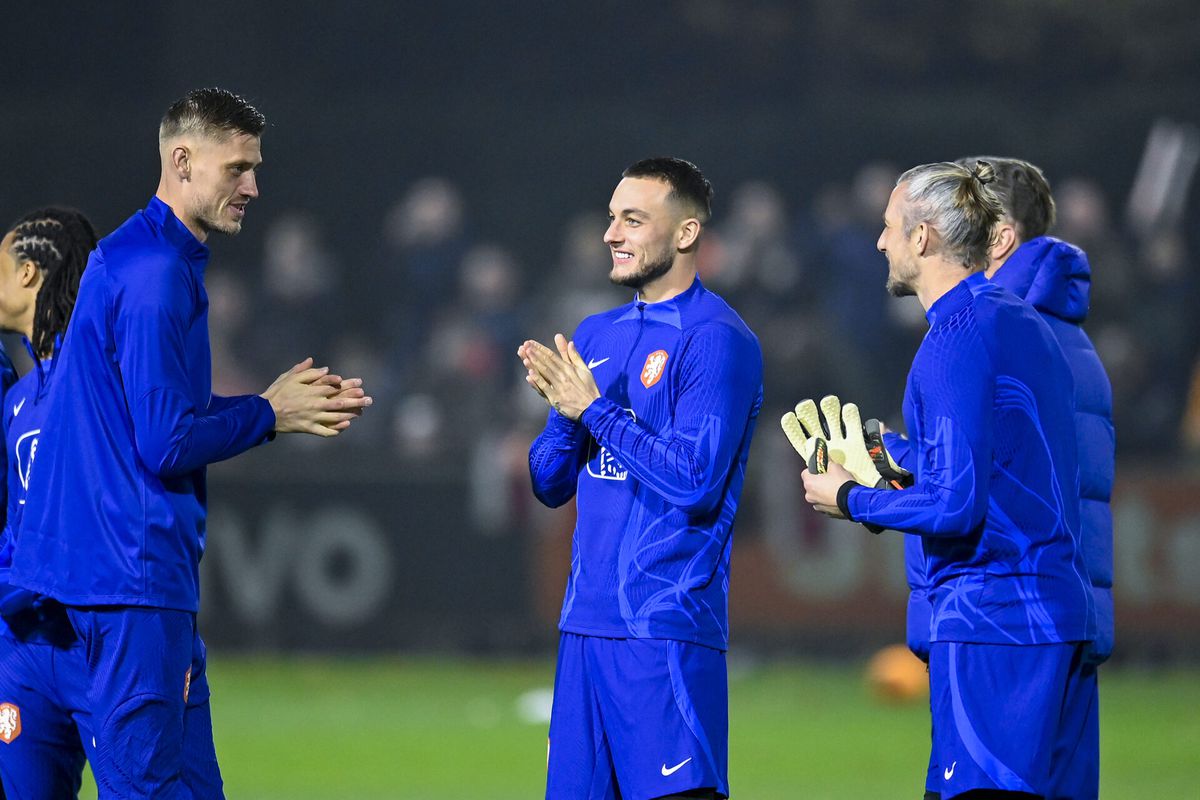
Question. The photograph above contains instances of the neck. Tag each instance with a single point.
(171, 197)
(938, 278)
(1000, 259)
(674, 283)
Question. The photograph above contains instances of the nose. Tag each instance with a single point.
(613, 234)
(879, 245)
(249, 187)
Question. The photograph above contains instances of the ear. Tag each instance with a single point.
(181, 160)
(689, 233)
(920, 238)
(30, 275)
(1004, 241)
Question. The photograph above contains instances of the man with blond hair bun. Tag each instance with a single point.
(995, 502)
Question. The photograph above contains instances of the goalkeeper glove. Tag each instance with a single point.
(895, 476)
(842, 433)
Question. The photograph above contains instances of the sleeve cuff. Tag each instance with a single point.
(595, 413)
(843, 499)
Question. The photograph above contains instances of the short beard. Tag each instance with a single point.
(210, 221)
(647, 274)
(899, 288)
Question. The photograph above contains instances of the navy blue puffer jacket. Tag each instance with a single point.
(1055, 278)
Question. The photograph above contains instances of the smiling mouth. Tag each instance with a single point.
(620, 257)
(239, 211)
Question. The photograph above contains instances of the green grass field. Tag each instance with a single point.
(453, 730)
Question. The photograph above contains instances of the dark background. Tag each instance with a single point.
(528, 113)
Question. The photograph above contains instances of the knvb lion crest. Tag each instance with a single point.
(653, 369)
(10, 722)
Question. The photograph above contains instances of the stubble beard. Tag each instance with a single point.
(650, 272)
(211, 220)
(900, 281)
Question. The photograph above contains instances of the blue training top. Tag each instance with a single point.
(115, 509)
(657, 464)
(996, 499)
(23, 412)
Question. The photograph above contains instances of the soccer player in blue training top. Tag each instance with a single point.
(41, 260)
(113, 526)
(654, 405)
(42, 665)
(995, 502)
(1055, 278)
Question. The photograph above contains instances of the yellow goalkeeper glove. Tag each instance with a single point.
(842, 432)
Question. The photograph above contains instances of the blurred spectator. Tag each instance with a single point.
(292, 316)
(228, 318)
(579, 286)
(1142, 321)
(424, 243)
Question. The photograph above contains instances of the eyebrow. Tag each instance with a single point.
(628, 211)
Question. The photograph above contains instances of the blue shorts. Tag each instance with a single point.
(1020, 718)
(42, 731)
(650, 716)
(45, 674)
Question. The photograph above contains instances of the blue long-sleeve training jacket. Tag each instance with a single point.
(996, 500)
(115, 509)
(657, 465)
(1055, 278)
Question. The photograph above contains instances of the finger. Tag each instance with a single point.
(530, 378)
(351, 383)
(831, 411)
(300, 366)
(574, 358)
(533, 346)
(538, 382)
(791, 427)
(351, 393)
(806, 412)
(333, 417)
(560, 342)
(548, 365)
(309, 375)
(339, 403)
(852, 419)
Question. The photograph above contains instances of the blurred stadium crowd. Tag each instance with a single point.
(435, 322)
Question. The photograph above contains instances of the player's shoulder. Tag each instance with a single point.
(707, 314)
(136, 252)
(594, 323)
(1003, 316)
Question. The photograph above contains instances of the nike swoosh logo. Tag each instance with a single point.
(594, 364)
(675, 768)
(949, 773)
(17, 408)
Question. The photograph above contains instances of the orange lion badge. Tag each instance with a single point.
(10, 722)
(653, 369)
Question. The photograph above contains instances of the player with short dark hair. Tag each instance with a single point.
(995, 503)
(114, 522)
(654, 405)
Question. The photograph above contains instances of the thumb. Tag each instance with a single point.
(573, 354)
